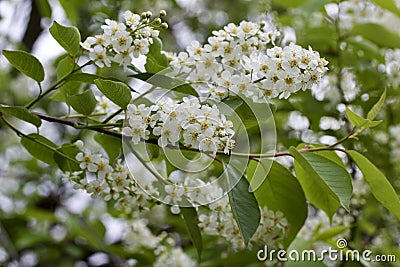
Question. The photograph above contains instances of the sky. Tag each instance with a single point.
(14, 15)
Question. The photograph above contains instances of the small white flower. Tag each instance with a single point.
(121, 42)
(131, 19)
(112, 27)
(141, 47)
(174, 193)
(191, 135)
(208, 142)
(136, 130)
(88, 160)
(99, 56)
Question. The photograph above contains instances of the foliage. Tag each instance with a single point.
(203, 157)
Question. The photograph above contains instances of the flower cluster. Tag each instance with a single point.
(395, 143)
(121, 42)
(392, 66)
(112, 183)
(173, 256)
(320, 222)
(359, 11)
(198, 126)
(243, 59)
(165, 248)
(327, 89)
(215, 214)
(219, 221)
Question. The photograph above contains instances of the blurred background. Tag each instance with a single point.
(44, 222)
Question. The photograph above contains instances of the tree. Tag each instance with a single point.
(242, 144)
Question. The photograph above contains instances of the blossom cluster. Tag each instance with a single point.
(165, 248)
(115, 184)
(392, 66)
(219, 221)
(197, 125)
(121, 42)
(328, 88)
(359, 11)
(216, 217)
(394, 132)
(167, 252)
(112, 183)
(243, 59)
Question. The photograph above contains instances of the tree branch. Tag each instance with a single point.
(33, 29)
(80, 125)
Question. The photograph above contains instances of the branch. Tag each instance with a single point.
(33, 29)
(79, 125)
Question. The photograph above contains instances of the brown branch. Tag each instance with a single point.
(80, 125)
(33, 29)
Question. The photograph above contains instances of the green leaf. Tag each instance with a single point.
(335, 176)
(247, 116)
(322, 38)
(377, 34)
(377, 107)
(300, 245)
(68, 37)
(81, 228)
(166, 82)
(21, 113)
(40, 147)
(243, 203)
(380, 187)
(289, 3)
(83, 103)
(370, 49)
(25, 63)
(280, 191)
(44, 8)
(311, 6)
(355, 119)
(72, 8)
(359, 121)
(331, 155)
(228, 107)
(83, 77)
(64, 69)
(331, 232)
(389, 5)
(156, 61)
(117, 92)
(236, 258)
(65, 158)
(189, 214)
(65, 66)
(111, 144)
(314, 187)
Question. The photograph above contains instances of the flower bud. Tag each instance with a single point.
(164, 25)
(163, 13)
(157, 21)
(149, 14)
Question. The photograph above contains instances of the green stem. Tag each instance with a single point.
(78, 125)
(112, 116)
(80, 116)
(19, 133)
(54, 86)
(157, 175)
(98, 126)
